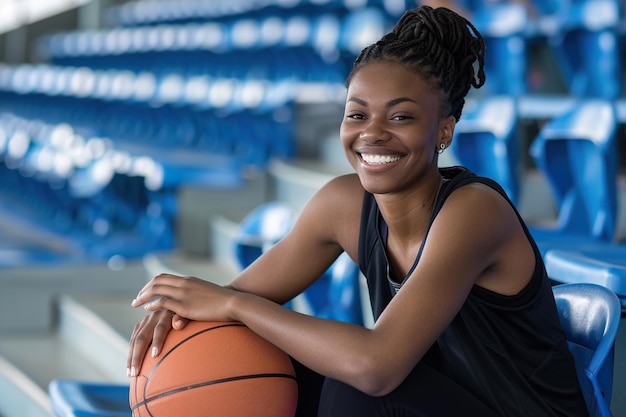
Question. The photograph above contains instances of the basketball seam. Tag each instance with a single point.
(177, 345)
(212, 382)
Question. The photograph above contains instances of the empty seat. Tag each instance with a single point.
(576, 152)
(335, 295)
(586, 48)
(602, 266)
(485, 141)
(590, 316)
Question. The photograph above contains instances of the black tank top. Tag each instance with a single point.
(509, 351)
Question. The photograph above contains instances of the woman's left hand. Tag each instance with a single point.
(189, 297)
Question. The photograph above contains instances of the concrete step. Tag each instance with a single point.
(28, 295)
(297, 181)
(99, 325)
(89, 339)
(19, 395)
(27, 365)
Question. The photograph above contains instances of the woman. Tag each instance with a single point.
(465, 321)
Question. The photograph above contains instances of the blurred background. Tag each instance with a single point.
(145, 136)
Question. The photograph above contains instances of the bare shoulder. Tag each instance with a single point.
(343, 192)
(334, 212)
(485, 226)
(481, 200)
(348, 183)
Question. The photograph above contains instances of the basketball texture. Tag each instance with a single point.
(215, 369)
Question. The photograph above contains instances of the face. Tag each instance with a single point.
(392, 127)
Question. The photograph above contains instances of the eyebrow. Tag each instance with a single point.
(390, 103)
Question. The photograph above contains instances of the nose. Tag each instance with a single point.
(375, 131)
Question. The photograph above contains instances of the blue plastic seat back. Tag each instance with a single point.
(71, 398)
(549, 7)
(336, 295)
(485, 141)
(502, 25)
(261, 229)
(586, 47)
(602, 264)
(590, 63)
(361, 28)
(590, 317)
(577, 154)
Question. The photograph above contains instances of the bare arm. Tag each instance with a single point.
(285, 271)
(457, 254)
(328, 225)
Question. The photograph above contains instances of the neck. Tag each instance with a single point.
(407, 215)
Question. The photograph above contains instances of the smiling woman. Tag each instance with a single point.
(465, 319)
(392, 126)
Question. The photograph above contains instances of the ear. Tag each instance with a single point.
(446, 130)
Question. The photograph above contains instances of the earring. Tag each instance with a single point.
(442, 147)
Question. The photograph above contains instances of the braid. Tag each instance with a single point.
(438, 44)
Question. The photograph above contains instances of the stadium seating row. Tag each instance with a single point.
(95, 200)
(196, 100)
(318, 48)
(68, 150)
(582, 39)
(139, 13)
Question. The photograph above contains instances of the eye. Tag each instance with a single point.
(401, 117)
(355, 116)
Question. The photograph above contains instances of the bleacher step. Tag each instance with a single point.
(100, 325)
(19, 395)
(99, 328)
(90, 341)
(27, 365)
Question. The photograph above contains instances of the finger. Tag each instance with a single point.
(141, 341)
(163, 285)
(132, 345)
(161, 331)
(166, 303)
(162, 279)
(153, 294)
(179, 322)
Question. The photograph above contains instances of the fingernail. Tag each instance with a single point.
(132, 303)
(128, 372)
(155, 352)
(133, 371)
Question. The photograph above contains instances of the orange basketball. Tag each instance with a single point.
(215, 369)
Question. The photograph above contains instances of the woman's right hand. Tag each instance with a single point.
(151, 332)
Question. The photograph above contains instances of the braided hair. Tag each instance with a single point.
(438, 44)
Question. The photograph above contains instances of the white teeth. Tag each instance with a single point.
(379, 159)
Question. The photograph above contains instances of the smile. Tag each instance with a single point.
(379, 159)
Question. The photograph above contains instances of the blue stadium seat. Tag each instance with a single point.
(602, 266)
(590, 316)
(503, 26)
(70, 398)
(262, 228)
(335, 295)
(361, 28)
(58, 183)
(586, 48)
(576, 152)
(485, 141)
(342, 300)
